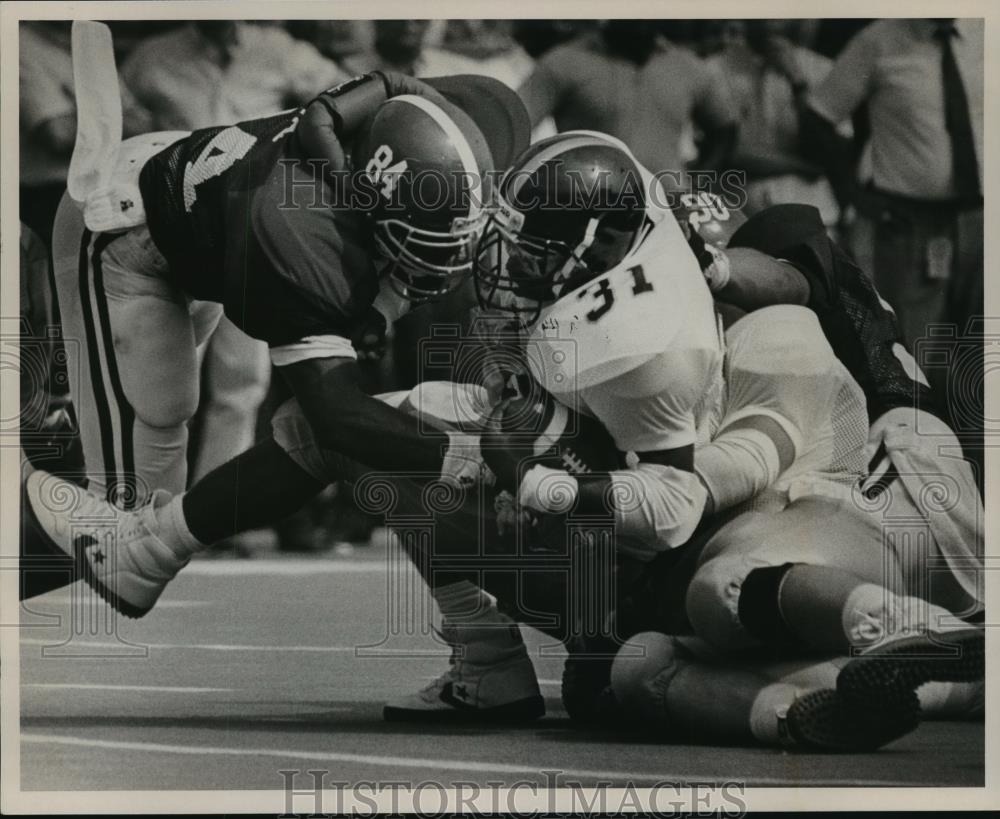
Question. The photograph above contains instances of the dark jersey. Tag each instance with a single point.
(858, 324)
(284, 263)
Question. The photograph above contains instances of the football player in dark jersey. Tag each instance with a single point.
(306, 228)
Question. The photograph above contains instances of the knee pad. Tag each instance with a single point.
(641, 674)
(713, 603)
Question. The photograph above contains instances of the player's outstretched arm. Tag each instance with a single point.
(748, 278)
(757, 280)
(662, 500)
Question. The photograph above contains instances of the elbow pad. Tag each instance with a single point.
(737, 465)
(659, 505)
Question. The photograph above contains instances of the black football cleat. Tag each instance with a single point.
(886, 675)
(825, 720)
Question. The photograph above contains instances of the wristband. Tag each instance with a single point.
(714, 263)
(718, 272)
(551, 491)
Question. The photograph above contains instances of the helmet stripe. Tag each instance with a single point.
(456, 137)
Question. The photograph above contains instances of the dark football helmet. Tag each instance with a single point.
(425, 165)
(569, 209)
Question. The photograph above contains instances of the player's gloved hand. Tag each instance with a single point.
(510, 515)
(369, 337)
(714, 263)
(397, 84)
(463, 462)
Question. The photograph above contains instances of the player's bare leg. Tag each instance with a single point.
(814, 576)
(673, 693)
(676, 690)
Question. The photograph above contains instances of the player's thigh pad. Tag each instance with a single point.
(154, 331)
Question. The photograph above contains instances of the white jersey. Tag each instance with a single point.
(779, 364)
(638, 347)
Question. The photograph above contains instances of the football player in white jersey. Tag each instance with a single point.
(786, 428)
(756, 584)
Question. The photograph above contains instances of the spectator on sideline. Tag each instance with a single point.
(920, 218)
(401, 45)
(919, 225)
(767, 72)
(491, 48)
(214, 72)
(627, 80)
(336, 40)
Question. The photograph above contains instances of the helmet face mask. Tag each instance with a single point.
(424, 166)
(519, 272)
(423, 264)
(548, 233)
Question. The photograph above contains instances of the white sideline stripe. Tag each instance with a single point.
(435, 764)
(35, 641)
(283, 568)
(540, 682)
(170, 689)
(66, 599)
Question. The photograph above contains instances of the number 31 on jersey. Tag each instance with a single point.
(600, 290)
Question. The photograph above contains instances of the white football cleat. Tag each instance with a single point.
(118, 553)
(504, 691)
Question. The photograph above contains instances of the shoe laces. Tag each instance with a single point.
(868, 627)
(138, 523)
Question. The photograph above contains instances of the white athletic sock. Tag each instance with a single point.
(952, 700)
(872, 613)
(173, 529)
(768, 712)
(464, 602)
(472, 618)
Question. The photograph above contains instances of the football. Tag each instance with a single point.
(535, 428)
